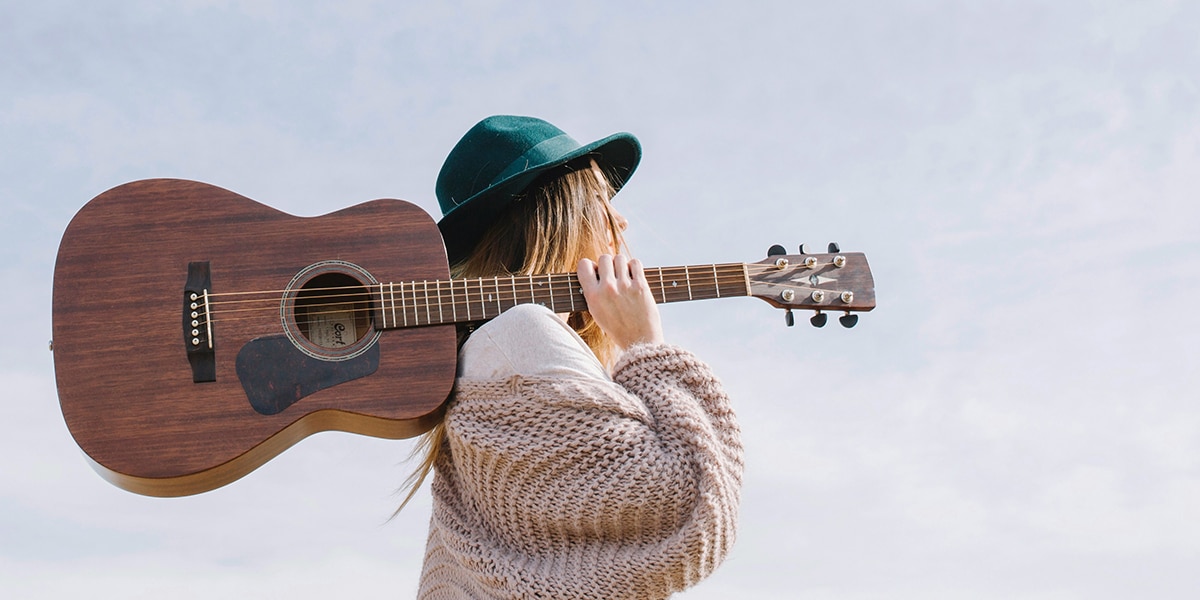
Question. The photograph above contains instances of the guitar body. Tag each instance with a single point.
(162, 413)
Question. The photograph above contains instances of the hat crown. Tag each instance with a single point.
(500, 157)
(495, 149)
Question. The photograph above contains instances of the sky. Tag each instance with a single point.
(1016, 419)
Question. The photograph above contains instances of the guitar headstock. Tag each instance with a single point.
(833, 281)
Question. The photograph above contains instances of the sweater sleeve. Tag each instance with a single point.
(555, 486)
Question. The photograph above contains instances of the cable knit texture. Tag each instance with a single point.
(560, 487)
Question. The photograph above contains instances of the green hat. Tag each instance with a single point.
(499, 158)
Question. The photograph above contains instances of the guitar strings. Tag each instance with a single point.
(445, 294)
(699, 270)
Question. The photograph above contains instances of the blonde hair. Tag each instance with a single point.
(558, 221)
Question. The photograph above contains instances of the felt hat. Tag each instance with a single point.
(498, 159)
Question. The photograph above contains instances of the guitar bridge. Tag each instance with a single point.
(197, 323)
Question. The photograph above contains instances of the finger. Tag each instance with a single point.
(636, 271)
(586, 271)
(621, 268)
(605, 269)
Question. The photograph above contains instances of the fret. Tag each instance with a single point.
(688, 278)
(430, 303)
(550, 285)
(426, 302)
(482, 300)
(403, 310)
(453, 308)
(661, 288)
(391, 292)
(416, 320)
(403, 306)
(467, 299)
(496, 287)
(480, 304)
(441, 307)
(532, 293)
(403, 314)
(490, 297)
(716, 281)
(480, 311)
(428, 313)
(382, 308)
(392, 296)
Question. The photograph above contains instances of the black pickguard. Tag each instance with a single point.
(275, 374)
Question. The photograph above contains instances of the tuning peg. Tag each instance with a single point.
(819, 319)
(776, 250)
(848, 320)
(834, 248)
(788, 318)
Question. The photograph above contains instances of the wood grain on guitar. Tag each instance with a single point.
(294, 325)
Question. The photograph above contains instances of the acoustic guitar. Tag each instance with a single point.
(197, 333)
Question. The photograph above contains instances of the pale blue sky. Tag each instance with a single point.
(1016, 419)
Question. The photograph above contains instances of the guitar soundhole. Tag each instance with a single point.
(327, 311)
(333, 311)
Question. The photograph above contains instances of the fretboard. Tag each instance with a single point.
(419, 303)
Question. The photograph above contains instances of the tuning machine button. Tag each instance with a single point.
(848, 320)
(776, 250)
(788, 318)
(833, 248)
(819, 319)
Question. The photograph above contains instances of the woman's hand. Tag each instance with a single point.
(619, 299)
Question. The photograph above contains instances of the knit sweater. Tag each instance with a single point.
(573, 486)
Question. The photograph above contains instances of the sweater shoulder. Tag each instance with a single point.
(530, 341)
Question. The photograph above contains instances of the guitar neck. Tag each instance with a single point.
(420, 303)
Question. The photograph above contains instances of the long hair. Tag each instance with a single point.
(560, 219)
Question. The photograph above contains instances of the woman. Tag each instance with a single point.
(580, 456)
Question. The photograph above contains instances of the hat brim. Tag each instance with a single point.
(618, 154)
